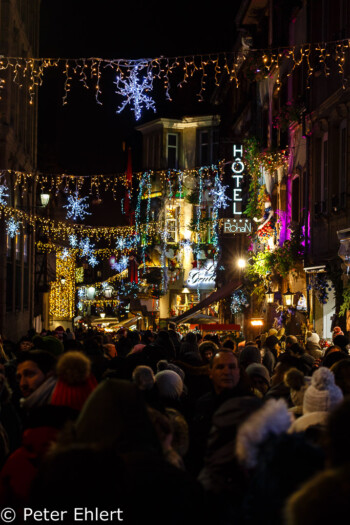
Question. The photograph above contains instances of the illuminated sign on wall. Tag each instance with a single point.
(237, 169)
(237, 226)
(202, 277)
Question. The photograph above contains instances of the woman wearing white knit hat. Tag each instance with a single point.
(319, 399)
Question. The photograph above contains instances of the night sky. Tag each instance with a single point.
(85, 138)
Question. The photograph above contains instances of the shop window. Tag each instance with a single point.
(172, 150)
(171, 228)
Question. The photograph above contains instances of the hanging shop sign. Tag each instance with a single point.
(202, 277)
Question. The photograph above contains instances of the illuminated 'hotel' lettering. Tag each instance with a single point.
(237, 168)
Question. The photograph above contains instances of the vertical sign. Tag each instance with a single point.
(237, 169)
(237, 224)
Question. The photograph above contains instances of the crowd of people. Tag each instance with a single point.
(176, 429)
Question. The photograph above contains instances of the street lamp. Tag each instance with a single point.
(241, 263)
(44, 199)
(270, 295)
(288, 297)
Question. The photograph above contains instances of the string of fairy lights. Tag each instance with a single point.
(134, 79)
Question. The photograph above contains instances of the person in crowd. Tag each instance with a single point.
(36, 378)
(248, 355)
(207, 349)
(170, 387)
(337, 331)
(259, 377)
(333, 354)
(271, 351)
(325, 497)
(113, 458)
(175, 337)
(297, 383)
(312, 345)
(320, 398)
(341, 371)
(343, 342)
(276, 462)
(302, 360)
(221, 476)
(227, 381)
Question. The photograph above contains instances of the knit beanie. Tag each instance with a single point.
(169, 383)
(249, 354)
(323, 394)
(50, 343)
(257, 369)
(337, 331)
(74, 380)
(163, 364)
(313, 338)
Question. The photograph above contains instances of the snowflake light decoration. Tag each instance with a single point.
(73, 241)
(80, 305)
(220, 197)
(12, 227)
(3, 194)
(121, 243)
(81, 293)
(86, 246)
(92, 260)
(186, 244)
(77, 208)
(64, 254)
(121, 265)
(135, 91)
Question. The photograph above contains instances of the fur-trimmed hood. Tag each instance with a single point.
(271, 420)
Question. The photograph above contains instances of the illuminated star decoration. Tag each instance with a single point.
(77, 208)
(135, 91)
(220, 197)
(12, 227)
(64, 254)
(3, 195)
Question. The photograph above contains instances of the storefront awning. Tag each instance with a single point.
(221, 293)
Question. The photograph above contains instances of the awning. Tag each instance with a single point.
(220, 327)
(223, 292)
(199, 318)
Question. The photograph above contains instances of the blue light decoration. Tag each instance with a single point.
(92, 260)
(81, 292)
(121, 265)
(3, 194)
(12, 227)
(86, 246)
(219, 195)
(186, 244)
(239, 301)
(135, 90)
(64, 254)
(77, 208)
(73, 240)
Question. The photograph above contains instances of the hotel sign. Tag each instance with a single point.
(237, 224)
